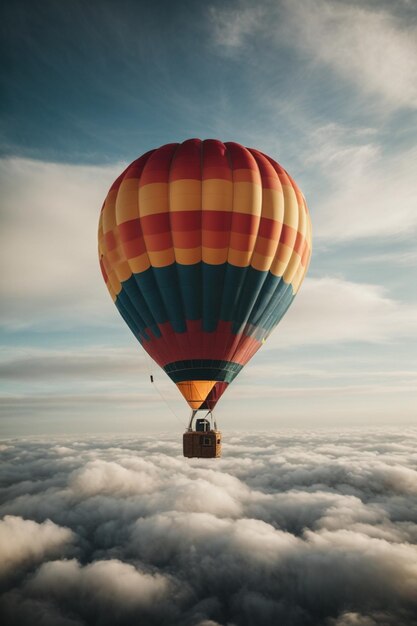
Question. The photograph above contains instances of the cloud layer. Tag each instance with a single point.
(297, 528)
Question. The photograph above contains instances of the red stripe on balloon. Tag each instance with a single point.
(269, 176)
(130, 230)
(215, 161)
(217, 220)
(288, 235)
(245, 223)
(186, 163)
(270, 229)
(197, 344)
(240, 157)
(185, 220)
(158, 165)
(110, 240)
(155, 224)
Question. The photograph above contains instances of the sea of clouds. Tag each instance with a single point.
(292, 528)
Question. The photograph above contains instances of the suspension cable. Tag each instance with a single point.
(152, 379)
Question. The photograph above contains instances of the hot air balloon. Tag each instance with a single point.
(203, 246)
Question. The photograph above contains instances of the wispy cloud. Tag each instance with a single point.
(331, 310)
(96, 362)
(404, 258)
(369, 47)
(232, 25)
(343, 151)
(357, 199)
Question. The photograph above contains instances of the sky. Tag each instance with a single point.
(327, 88)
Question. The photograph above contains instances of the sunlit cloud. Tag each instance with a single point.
(24, 542)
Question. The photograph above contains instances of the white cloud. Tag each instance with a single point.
(106, 584)
(350, 618)
(403, 258)
(96, 362)
(23, 541)
(49, 240)
(232, 25)
(103, 477)
(331, 310)
(365, 191)
(368, 47)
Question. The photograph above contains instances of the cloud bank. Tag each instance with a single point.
(296, 528)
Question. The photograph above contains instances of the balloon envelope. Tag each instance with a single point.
(203, 246)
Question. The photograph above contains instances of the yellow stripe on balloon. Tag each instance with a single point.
(298, 277)
(214, 256)
(295, 260)
(162, 258)
(108, 213)
(247, 198)
(185, 195)
(217, 195)
(123, 271)
(111, 292)
(281, 260)
(292, 211)
(127, 201)
(273, 204)
(293, 265)
(140, 263)
(261, 262)
(114, 282)
(239, 258)
(188, 256)
(153, 198)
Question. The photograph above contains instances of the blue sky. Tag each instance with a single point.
(327, 88)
